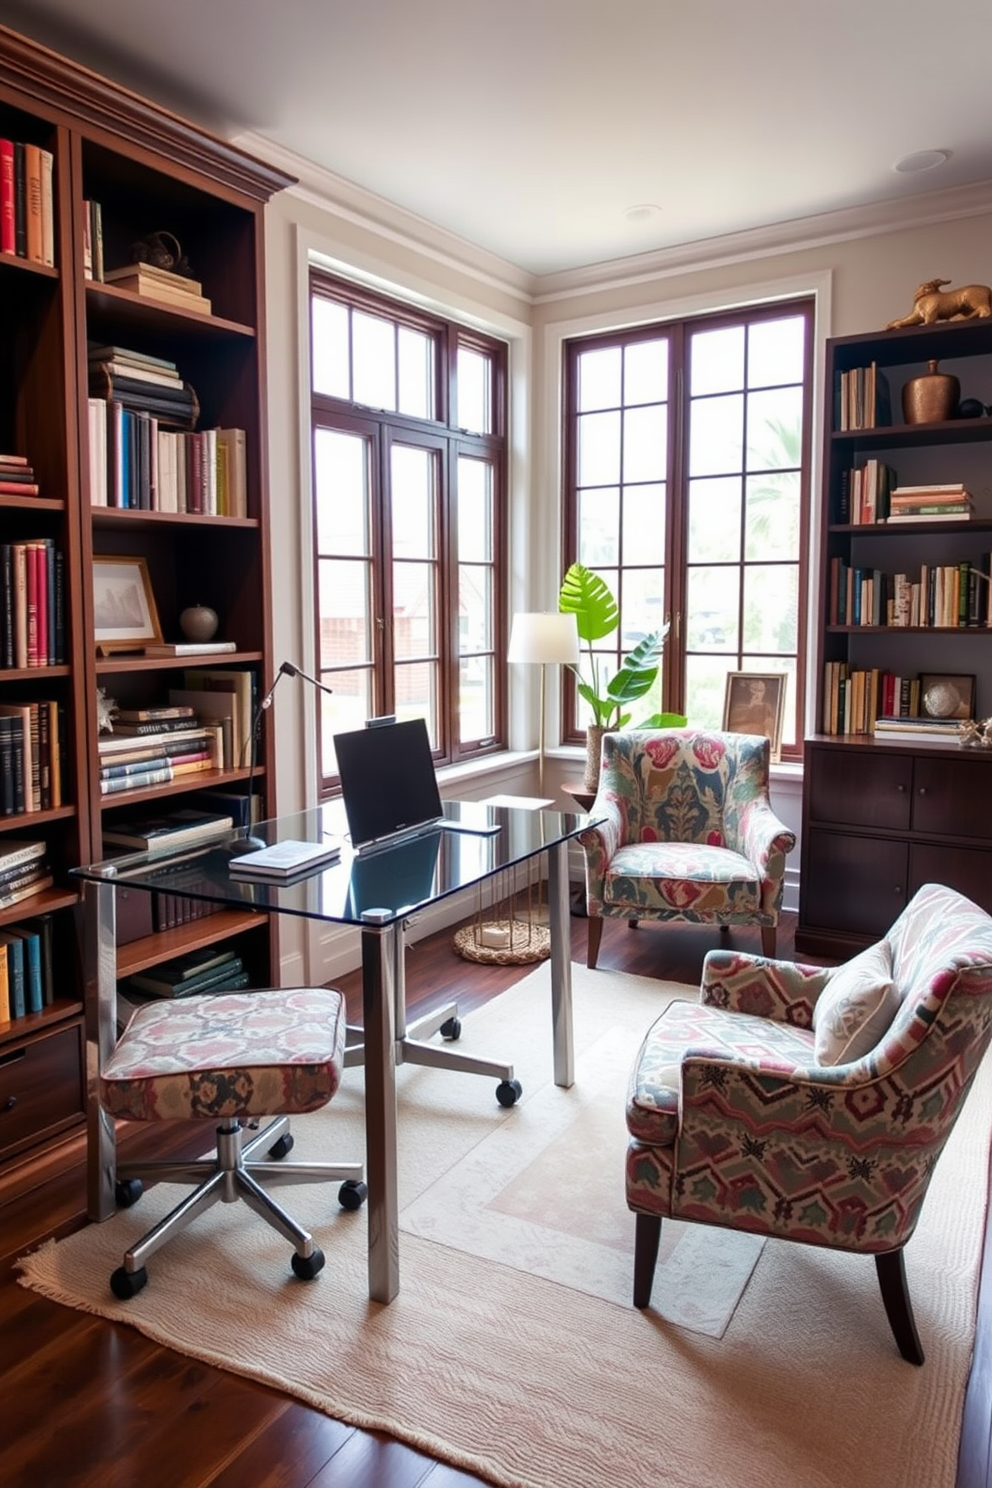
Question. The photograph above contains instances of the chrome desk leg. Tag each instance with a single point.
(380, 948)
(561, 964)
(100, 969)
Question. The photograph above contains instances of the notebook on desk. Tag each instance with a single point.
(389, 786)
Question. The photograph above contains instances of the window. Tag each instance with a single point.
(686, 487)
(409, 514)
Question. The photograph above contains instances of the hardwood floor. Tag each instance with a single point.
(95, 1404)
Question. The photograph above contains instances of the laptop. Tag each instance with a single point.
(389, 786)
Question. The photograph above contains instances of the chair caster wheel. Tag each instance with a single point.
(508, 1092)
(127, 1192)
(127, 1284)
(352, 1194)
(307, 1267)
(279, 1149)
(451, 1029)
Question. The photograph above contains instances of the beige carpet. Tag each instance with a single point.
(535, 1382)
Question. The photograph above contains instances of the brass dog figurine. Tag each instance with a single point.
(931, 303)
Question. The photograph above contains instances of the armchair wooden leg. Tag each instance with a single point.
(595, 936)
(891, 1268)
(769, 938)
(647, 1238)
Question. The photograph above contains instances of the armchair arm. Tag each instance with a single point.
(599, 843)
(785, 991)
(765, 840)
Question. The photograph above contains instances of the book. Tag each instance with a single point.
(28, 889)
(167, 981)
(155, 376)
(5, 1012)
(164, 741)
(129, 355)
(285, 860)
(16, 979)
(136, 732)
(45, 926)
(149, 715)
(158, 289)
(184, 828)
(33, 991)
(15, 854)
(7, 239)
(154, 275)
(190, 648)
(34, 249)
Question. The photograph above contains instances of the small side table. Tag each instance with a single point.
(584, 799)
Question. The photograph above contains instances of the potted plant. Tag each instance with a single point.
(588, 597)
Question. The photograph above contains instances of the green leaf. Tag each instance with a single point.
(587, 596)
(664, 720)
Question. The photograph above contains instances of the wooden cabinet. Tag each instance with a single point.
(150, 172)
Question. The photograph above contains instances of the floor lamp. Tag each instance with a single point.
(544, 640)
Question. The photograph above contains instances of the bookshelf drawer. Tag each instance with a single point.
(951, 797)
(861, 789)
(856, 885)
(41, 1087)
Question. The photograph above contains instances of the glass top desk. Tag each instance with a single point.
(376, 893)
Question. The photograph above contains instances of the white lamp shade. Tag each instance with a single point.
(544, 639)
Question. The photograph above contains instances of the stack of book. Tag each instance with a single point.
(919, 728)
(32, 604)
(24, 870)
(31, 749)
(212, 969)
(17, 477)
(950, 502)
(27, 223)
(169, 833)
(864, 493)
(142, 384)
(861, 398)
(27, 983)
(153, 283)
(140, 761)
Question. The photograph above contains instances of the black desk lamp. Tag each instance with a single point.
(286, 670)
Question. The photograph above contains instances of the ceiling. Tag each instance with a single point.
(563, 133)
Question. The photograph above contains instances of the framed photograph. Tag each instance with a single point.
(124, 613)
(754, 704)
(947, 695)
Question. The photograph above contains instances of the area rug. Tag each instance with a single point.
(533, 1382)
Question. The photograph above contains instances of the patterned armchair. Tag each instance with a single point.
(688, 833)
(812, 1103)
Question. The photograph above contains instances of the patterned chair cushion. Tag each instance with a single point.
(682, 878)
(856, 1007)
(228, 1055)
(653, 1094)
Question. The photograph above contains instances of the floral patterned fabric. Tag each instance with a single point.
(741, 1128)
(689, 832)
(229, 1055)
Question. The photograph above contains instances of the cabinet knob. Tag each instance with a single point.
(10, 1103)
(897, 889)
(923, 790)
(900, 790)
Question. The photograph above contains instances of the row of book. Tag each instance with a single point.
(24, 871)
(27, 214)
(212, 969)
(27, 979)
(139, 762)
(32, 604)
(945, 596)
(17, 477)
(869, 495)
(861, 399)
(854, 697)
(136, 463)
(863, 493)
(213, 701)
(32, 747)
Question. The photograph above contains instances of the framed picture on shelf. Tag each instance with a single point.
(947, 695)
(754, 704)
(124, 613)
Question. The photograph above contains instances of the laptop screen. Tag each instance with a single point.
(387, 780)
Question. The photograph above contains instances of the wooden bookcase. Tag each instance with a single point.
(880, 816)
(150, 171)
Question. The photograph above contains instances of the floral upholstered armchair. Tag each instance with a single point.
(688, 833)
(812, 1103)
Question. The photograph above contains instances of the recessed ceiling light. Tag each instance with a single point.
(923, 160)
(642, 213)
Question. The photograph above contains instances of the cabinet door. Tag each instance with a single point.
(951, 796)
(962, 868)
(860, 789)
(855, 884)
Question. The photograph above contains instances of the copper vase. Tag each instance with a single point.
(932, 398)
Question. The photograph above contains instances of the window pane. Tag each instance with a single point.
(474, 391)
(416, 695)
(329, 331)
(774, 429)
(374, 351)
(772, 523)
(475, 608)
(599, 449)
(643, 525)
(645, 372)
(713, 598)
(413, 502)
(706, 685)
(416, 361)
(599, 527)
(413, 610)
(341, 492)
(642, 606)
(348, 709)
(343, 601)
(771, 608)
(475, 697)
(715, 520)
(475, 510)
(716, 435)
(645, 443)
(776, 352)
(717, 361)
(599, 379)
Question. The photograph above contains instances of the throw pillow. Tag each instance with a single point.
(855, 1008)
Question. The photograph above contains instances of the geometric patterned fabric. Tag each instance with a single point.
(236, 1054)
(689, 833)
(732, 1122)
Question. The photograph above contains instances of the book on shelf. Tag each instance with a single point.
(233, 688)
(165, 711)
(146, 763)
(153, 275)
(186, 827)
(15, 854)
(136, 732)
(16, 981)
(128, 355)
(45, 926)
(245, 809)
(190, 648)
(284, 860)
(930, 514)
(166, 741)
(861, 399)
(158, 284)
(27, 890)
(917, 724)
(170, 980)
(34, 996)
(147, 779)
(7, 239)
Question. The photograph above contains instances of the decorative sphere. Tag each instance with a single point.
(971, 408)
(198, 623)
(942, 700)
